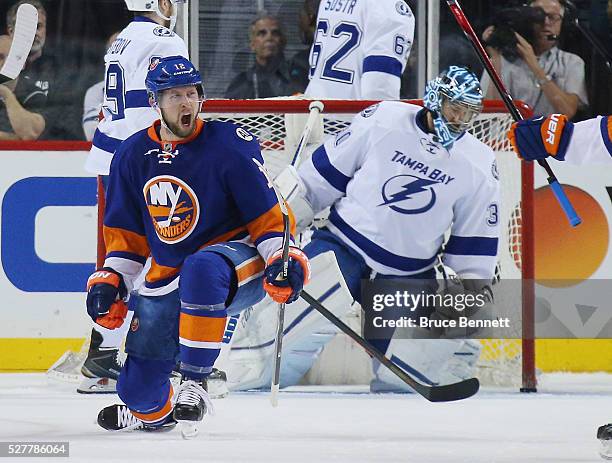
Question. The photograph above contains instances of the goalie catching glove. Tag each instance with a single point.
(470, 298)
(537, 138)
(286, 291)
(106, 292)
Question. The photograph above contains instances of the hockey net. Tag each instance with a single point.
(278, 124)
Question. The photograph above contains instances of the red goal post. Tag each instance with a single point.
(273, 122)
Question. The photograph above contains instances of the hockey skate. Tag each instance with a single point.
(118, 417)
(101, 368)
(192, 403)
(604, 434)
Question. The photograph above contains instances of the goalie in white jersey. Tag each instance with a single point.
(397, 180)
(360, 49)
(126, 110)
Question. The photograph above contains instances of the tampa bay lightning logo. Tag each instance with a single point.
(370, 110)
(408, 194)
(161, 31)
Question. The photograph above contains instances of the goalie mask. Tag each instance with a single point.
(454, 99)
(169, 73)
(153, 6)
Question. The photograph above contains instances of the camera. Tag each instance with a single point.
(520, 19)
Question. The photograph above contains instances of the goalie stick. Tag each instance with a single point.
(465, 25)
(446, 393)
(25, 29)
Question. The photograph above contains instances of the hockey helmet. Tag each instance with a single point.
(153, 6)
(455, 99)
(171, 72)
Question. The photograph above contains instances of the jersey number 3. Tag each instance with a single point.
(114, 91)
(352, 36)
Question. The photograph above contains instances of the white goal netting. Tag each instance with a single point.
(278, 124)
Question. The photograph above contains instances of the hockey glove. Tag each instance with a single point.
(471, 299)
(540, 137)
(298, 274)
(105, 293)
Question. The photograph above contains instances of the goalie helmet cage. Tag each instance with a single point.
(278, 124)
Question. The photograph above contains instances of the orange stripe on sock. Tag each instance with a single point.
(248, 270)
(156, 416)
(202, 329)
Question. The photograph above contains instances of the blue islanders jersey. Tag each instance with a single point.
(394, 193)
(126, 107)
(169, 199)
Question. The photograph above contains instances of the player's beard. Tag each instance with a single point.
(178, 127)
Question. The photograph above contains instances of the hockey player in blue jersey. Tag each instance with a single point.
(126, 110)
(190, 195)
(397, 180)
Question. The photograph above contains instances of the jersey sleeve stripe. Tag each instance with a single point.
(120, 240)
(269, 222)
(324, 167)
(268, 236)
(136, 99)
(377, 253)
(606, 132)
(105, 143)
(471, 246)
(385, 64)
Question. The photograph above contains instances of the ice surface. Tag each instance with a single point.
(313, 425)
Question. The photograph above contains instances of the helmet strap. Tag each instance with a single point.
(172, 17)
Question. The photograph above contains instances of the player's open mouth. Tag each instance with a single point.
(186, 120)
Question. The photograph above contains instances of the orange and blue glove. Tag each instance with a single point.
(298, 274)
(106, 291)
(540, 137)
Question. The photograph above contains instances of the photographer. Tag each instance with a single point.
(530, 65)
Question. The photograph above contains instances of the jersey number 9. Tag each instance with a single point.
(114, 91)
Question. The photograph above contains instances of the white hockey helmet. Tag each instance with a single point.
(153, 6)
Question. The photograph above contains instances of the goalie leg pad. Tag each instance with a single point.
(249, 365)
(422, 358)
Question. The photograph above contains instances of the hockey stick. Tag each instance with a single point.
(278, 343)
(465, 25)
(315, 108)
(446, 393)
(23, 36)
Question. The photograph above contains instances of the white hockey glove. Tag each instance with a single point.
(463, 300)
(293, 190)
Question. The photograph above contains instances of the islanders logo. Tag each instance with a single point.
(408, 194)
(173, 207)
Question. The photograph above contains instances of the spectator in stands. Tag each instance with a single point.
(548, 79)
(269, 76)
(21, 104)
(50, 76)
(299, 66)
(92, 103)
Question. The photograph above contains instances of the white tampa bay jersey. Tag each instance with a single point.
(360, 49)
(394, 192)
(126, 106)
(591, 142)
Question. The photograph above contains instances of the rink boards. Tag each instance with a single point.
(48, 242)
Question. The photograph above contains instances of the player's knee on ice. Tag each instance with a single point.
(143, 384)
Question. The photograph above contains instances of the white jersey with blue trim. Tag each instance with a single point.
(591, 142)
(126, 106)
(360, 49)
(394, 193)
